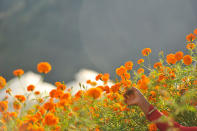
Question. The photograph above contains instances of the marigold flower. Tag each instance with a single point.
(146, 51)
(79, 94)
(61, 87)
(94, 92)
(179, 55)
(129, 65)
(190, 37)
(190, 46)
(44, 67)
(105, 77)
(37, 92)
(98, 77)
(57, 84)
(140, 70)
(120, 71)
(18, 72)
(157, 65)
(187, 59)
(3, 106)
(66, 96)
(115, 88)
(171, 59)
(50, 119)
(20, 98)
(143, 82)
(88, 81)
(16, 105)
(2, 82)
(49, 106)
(30, 88)
(152, 127)
(195, 31)
(140, 61)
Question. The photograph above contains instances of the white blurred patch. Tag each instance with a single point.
(81, 77)
(19, 87)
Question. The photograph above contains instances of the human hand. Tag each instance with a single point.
(134, 97)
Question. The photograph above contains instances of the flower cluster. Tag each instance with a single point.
(169, 84)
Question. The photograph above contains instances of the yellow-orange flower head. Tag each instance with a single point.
(44, 67)
(129, 65)
(94, 92)
(171, 59)
(191, 37)
(187, 59)
(146, 51)
(179, 55)
(2, 82)
(18, 72)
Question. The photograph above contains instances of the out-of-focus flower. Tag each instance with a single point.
(171, 59)
(190, 37)
(44, 67)
(18, 72)
(120, 71)
(140, 61)
(187, 59)
(2, 82)
(20, 98)
(190, 46)
(3, 106)
(30, 88)
(146, 51)
(179, 55)
(50, 119)
(129, 65)
(94, 92)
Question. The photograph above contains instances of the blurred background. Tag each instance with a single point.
(94, 34)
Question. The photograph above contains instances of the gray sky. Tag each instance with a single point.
(95, 34)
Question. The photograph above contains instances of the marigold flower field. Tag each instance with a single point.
(169, 84)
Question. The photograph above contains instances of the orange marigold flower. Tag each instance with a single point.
(44, 67)
(37, 92)
(105, 77)
(30, 88)
(88, 81)
(129, 65)
(52, 93)
(190, 46)
(2, 82)
(57, 84)
(153, 93)
(50, 119)
(120, 71)
(146, 51)
(16, 105)
(143, 82)
(3, 106)
(61, 87)
(18, 72)
(66, 96)
(98, 77)
(49, 106)
(152, 127)
(79, 94)
(94, 92)
(195, 31)
(179, 55)
(190, 37)
(187, 59)
(116, 87)
(93, 83)
(171, 59)
(20, 98)
(140, 70)
(157, 65)
(140, 61)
